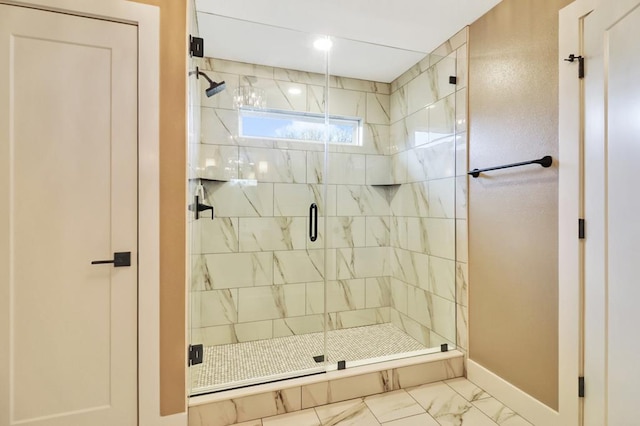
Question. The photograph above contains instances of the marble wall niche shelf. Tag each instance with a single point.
(201, 179)
(386, 185)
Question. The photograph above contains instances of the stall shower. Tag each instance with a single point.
(322, 255)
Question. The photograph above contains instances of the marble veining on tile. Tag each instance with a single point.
(398, 136)
(400, 407)
(462, 288)
(378, 108)
(270, 165)
(462, 326)
(298, 418)
(348, 413)
(298, 266)
(393, 405)
(361, 200)
(468, 390)
(376, 139)
(219, 126)
(448, 407)
(214, 307)
(240, 198)
(267, 234)
(231, 270)
(499, 413)
(399, 106)
(214, 236)
(419, 420)
(377, 292)
(271, 302)
(348, 103)
(377, 231)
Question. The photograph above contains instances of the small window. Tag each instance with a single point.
(298, 126)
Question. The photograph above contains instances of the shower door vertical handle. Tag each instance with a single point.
(313, 222)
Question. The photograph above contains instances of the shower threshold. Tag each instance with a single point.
(241, 364)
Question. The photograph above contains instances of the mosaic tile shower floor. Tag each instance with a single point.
(263, 358)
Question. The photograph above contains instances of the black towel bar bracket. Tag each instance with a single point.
(545, 161)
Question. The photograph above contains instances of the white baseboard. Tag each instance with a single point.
(522, 403)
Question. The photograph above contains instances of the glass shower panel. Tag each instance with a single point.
(193, 138)
(258, 260)
(394, 229)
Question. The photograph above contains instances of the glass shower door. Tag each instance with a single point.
(258, 260)
(394, 230)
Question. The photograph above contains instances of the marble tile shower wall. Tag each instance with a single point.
(255, 274)
(428, 209)
(396, 208)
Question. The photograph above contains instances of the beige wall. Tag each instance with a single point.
(173, 57)
(513, 235)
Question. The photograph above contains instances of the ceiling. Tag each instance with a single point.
(372, 39)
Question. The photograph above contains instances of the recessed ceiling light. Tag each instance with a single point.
(323, 43)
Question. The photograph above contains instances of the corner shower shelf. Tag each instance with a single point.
(386, 185)
(207, 180)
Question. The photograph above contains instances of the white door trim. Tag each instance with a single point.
(147, 18)
(570, 209)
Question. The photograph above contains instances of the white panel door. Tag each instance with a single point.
(68, 196)
(612, 142)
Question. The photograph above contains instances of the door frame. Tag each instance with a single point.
(595, 190)
(571, 206)
(147, 19)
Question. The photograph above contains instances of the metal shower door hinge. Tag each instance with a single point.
(195, 354)
(581, 387)
(196, 46)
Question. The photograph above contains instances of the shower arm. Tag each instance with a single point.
(199, 73)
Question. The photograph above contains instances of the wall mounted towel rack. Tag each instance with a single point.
(545, 161)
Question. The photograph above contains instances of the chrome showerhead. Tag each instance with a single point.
(214, 88)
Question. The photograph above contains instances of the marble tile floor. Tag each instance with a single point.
(455, 402)
(234, 363)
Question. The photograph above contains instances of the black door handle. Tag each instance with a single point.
(122, 258)
(313, 222)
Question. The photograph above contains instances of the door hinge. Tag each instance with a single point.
(573, 58)
(581, 229)
(581, 387)
(195, 354)
(196, 46)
